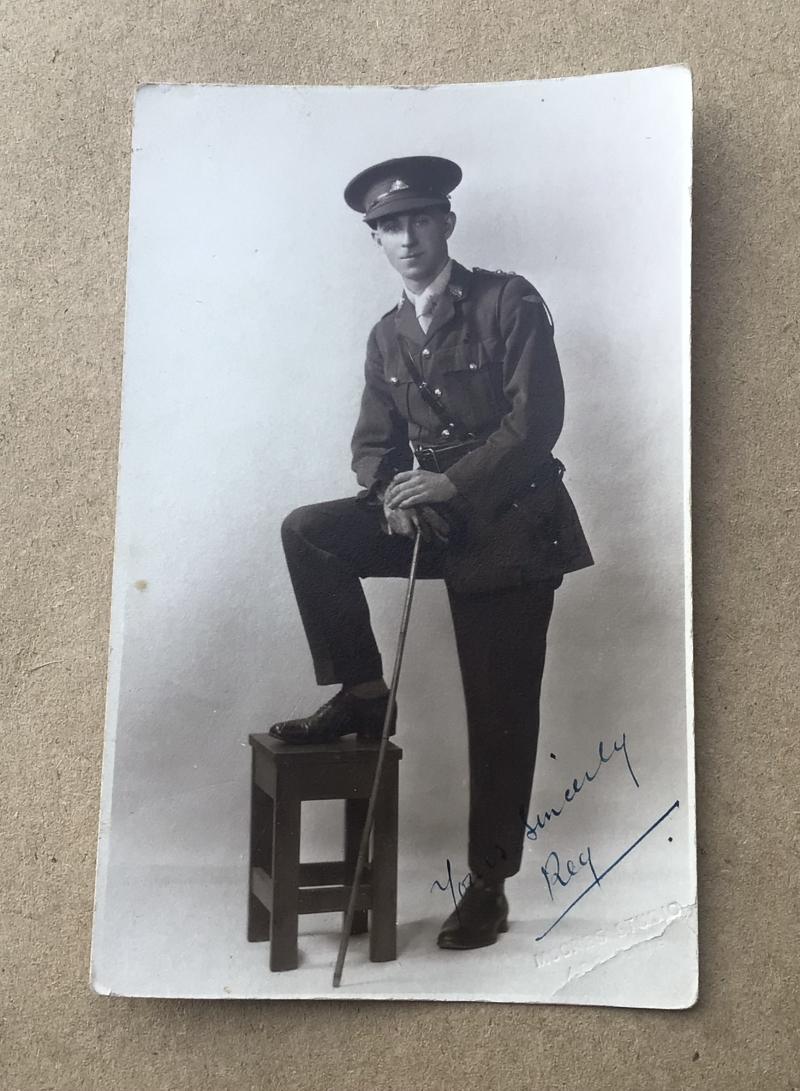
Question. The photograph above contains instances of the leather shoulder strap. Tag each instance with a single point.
(451, 421)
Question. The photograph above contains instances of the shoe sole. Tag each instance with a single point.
(365, 735)
(304, 740)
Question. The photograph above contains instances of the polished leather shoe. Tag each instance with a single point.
(481, 915)
(343, 715)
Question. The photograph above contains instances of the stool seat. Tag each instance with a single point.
(281, 887)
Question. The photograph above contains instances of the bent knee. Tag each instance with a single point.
(297, 522)
(305, 522)
(325, 525)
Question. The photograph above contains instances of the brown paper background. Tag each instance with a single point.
(67, 75)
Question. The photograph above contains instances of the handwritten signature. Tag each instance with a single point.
(551, 869)
(596, 881)
(558, 873)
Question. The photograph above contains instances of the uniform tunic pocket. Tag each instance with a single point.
(470, 376)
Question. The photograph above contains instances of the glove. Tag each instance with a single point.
(432, 525)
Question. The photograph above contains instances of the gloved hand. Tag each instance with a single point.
(433, 526)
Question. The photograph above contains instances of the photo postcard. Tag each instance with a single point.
(400, 641)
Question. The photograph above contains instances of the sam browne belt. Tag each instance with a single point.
(440, 457)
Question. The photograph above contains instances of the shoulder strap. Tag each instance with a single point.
(498, 279)
(450, 420)
(533, 295)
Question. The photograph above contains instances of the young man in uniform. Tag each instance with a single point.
(464, 373)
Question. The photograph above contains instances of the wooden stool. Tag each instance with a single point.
(281, 887)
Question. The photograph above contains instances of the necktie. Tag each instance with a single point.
(425, 316)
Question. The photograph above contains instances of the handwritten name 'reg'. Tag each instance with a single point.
(560, 873)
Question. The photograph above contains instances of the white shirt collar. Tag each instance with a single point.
(435, 288)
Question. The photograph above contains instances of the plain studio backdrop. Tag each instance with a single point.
(252, 288)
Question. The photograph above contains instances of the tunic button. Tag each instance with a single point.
(426, 352)
(394, 379)
(438, 392)
(445, 431)
(473, 367)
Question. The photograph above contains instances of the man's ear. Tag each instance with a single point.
(449, 224)
(376, 237)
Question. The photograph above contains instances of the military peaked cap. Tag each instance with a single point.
(401, 185)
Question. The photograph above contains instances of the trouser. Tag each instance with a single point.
(500, 638)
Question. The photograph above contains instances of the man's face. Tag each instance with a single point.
(416, 243)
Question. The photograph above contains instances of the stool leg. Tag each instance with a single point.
(355, 815)
(383, 923)
(285, 883)
(261, 857)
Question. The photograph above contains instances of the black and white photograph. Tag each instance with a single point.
(399, 699)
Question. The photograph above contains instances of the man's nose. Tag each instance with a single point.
(409, 235)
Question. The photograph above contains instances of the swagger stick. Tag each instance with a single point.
(363, 847)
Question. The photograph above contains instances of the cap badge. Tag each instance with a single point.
(397, 184)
